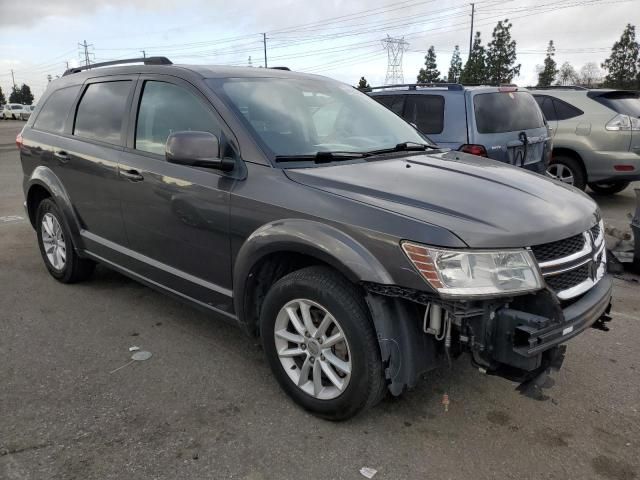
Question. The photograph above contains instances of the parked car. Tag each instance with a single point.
(596, 136)
(300, 209)
(12, 111)
(27, 111)
(502, 123)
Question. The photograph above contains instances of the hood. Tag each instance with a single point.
(487, 204)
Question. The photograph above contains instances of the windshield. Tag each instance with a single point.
(501, 112)
(293, 116)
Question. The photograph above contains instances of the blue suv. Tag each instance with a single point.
(502, 123)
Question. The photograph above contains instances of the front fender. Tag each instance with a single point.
(308, 237)
(44, 177)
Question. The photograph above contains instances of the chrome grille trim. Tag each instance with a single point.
(593, 254)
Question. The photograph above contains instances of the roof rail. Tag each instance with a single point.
(413, 86)
(559, 87)
(145, 60)
(280, 68)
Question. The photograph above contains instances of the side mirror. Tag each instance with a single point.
(196, 149)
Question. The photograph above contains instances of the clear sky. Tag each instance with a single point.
(340, 39)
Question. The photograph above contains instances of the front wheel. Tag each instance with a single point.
(609, 188)
(321, 344)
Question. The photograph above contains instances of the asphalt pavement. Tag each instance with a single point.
(206, 406)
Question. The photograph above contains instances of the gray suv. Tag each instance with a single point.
(596, 136)
(502, 123)
(306, 213)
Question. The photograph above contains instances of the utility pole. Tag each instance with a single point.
(395, 48)
(13, 79)
(144, 54)
(67, 64)
(264, 41)
(473, 11)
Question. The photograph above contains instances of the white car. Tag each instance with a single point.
(12, 110)
(27, 110)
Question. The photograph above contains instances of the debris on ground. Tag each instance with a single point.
(368, 472)
(138, 356)
(134, 349)
(445, 402)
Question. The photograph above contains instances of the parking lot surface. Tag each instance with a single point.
(205, 405)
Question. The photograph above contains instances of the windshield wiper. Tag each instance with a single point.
(404, 147)
(322, 157)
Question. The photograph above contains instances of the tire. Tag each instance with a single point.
(56, 247)
(323, 289)
(568, 170)
(609, 188)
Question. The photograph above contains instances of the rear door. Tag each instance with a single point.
(510, 125)
(84, 154)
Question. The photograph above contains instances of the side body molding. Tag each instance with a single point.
(44, 177)
(308, 237)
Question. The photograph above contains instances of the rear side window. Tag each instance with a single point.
(506, 112)
(565, 111)
(166, 108)
(546, 105)
(426, 111)
(395, 103)
(627, 103)
(53, 113)
(102, 110)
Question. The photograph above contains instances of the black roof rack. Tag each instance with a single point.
(559, 87)
(280, 68)
(413, 86)
(145, 60)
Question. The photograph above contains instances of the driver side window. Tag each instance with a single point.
(166, 108)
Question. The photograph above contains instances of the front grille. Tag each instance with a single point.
(595, 231)
(558, 249)
(566, 280)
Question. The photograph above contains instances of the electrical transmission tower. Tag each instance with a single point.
(395, 48)
(85, 52)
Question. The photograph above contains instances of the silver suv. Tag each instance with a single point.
(596, 136)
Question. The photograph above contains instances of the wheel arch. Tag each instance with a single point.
(44, 183)
(568, 152)
(278, 248)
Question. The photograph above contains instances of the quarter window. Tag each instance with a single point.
(53, 115)
(426, 112)
(566, 111)
(166, 108)
(102, 110)
(546, 105)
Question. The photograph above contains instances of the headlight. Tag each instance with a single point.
(475, 272)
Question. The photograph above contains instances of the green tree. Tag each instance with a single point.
(501, 55)
(430, 72)
(550, 69)
(363, 84)
(474, 71)
(455, 68)
(622, 65)
(16, 95)
(3, 100)
(27, 96)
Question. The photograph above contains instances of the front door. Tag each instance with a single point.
(176, 217)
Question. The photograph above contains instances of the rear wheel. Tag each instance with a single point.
(56, 247)
(609, 188)
(568, 170)
(320, 343)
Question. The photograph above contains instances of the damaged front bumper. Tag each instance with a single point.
(516, 338)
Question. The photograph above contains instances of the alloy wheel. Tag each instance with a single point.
(313, 349)
(53, 241)
(561, 172)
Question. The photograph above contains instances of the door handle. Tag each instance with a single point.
(62, 156)
(132, 175)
